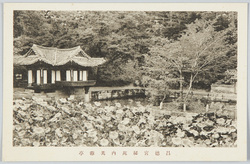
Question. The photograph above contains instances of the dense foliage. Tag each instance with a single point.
(191, 56)
(67, 122)
(124, 38)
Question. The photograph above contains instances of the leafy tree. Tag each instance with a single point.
(194, 52)
(157, 76)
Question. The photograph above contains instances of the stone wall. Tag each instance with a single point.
(219, 88)
(117, 94)
(29, 93)
(79, 94)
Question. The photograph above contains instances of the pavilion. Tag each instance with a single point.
(53, 68)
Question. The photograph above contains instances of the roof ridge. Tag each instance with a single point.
(43, 46)
(34, 48)
(77, 52)
(65, 49)
(53, 48)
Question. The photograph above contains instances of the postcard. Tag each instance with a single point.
(125, 82)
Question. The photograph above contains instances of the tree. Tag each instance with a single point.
(202, 45)
(157, 76)
(193, 53)
(172, 53)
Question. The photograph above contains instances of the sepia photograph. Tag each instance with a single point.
(120, 78)
(98, 78)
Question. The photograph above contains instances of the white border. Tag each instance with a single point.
(177, 154)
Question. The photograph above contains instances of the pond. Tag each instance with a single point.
(99, 124)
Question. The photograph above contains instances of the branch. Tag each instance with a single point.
(211, 44)
(177, 66)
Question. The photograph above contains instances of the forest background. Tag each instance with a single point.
(157, 50)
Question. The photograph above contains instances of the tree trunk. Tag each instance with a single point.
(190, 86)
(188, 92)
(181, 85)
(170, 18)
(161, 103)
(184, 107)
(207, 108)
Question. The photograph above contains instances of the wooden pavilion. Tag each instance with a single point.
(53, 68)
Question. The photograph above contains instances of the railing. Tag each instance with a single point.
(75, 83)
(59, 84)
(42, 87)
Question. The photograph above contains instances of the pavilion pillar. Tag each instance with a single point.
(38, 77)
(53, 76)
(33, 76)
(29, 77)
(72, 74)
(75, 75)
(45, 79)
(84, 75)
(80, 75)
(87, 94)
(58, 75)
(68, 75)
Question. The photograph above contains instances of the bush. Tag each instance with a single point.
(67, 122)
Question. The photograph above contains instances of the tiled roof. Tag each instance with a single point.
(57, 57)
